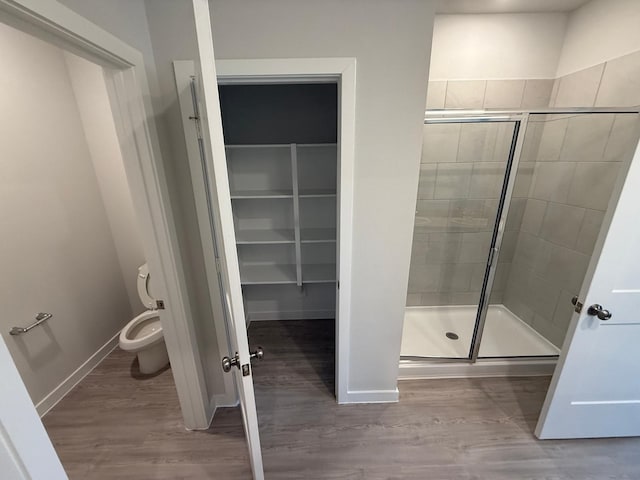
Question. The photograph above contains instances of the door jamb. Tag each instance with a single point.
(130, 101)
(342, 71)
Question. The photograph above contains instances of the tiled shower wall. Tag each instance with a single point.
(568, 168)
(461, 176)
(576, 160)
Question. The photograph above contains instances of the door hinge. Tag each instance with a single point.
(160, 304)
(578, 305)
(218, 264)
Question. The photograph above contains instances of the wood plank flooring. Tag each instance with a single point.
(117, 424)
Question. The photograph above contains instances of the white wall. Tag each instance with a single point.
(57, 252)
(391, 42)
(496, 46)
(598, 31)
(90, 91)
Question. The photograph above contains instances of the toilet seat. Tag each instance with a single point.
(143, 288)
(141, 332)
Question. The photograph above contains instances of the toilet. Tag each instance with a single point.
(143, 335)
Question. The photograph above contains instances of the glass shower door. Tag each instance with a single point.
(463, 183)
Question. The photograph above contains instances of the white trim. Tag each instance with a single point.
(130, 99)
(267, 316)
(311, 69)
(371, 396)
(418, 370)
(68, 384)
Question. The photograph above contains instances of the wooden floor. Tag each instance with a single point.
(117, 426)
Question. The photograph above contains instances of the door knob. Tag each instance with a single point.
(258, 354)
(598, 311)
(227, 362)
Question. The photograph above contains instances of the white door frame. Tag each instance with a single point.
(130, 101)
(343, 72)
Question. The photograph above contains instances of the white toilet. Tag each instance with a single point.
(143, 334)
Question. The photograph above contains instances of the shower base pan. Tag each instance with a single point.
(434, 337)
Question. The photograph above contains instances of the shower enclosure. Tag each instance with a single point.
(509, 208)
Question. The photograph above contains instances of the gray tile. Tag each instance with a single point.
(484, 142)
(440, 143)
(477, 277)
(537, 93)
(586, 138)
(552, 137)
(504, 93)
(455, 277)
(502, 275)
(464, 298)
(524, 177)
(593, 184)
(431, 216)
(418, 252)
(452, 180)
(516, 212)
(475, 247)
(528, 250)
(443, 248)
(542, 296)
(551, 181)
(413, 300)
(496, 296)
(486, 180)
(427, 180)
(533, 216)
(589, 231)
(436, 91)
(623, 139)
(561, 224)
(620, 86)
(424, 278)
(508, 247)
(579, 89)
(564, 266)
(564, 309)
(471, 215)
(434, 299)
(545, 327)
(465, 94)
(531, 141)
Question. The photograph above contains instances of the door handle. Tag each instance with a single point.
(227, 362)
(600, 312)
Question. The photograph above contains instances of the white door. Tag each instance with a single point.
(220, 201)
(25, 449)
(595, 390)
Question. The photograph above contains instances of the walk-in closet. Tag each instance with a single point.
(281, 146)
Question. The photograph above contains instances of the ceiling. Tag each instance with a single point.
(508, 6)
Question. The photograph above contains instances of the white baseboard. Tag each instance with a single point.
(58, 393)
(417, 370)
(291, 315)
(371, 396)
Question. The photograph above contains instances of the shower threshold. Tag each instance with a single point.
(434, 337)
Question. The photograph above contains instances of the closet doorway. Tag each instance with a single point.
(281, 150)
(289, 133)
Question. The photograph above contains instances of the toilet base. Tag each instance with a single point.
(152, 359)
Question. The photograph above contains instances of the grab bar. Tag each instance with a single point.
(41, 317)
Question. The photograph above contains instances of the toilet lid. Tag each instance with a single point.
(143, 287)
